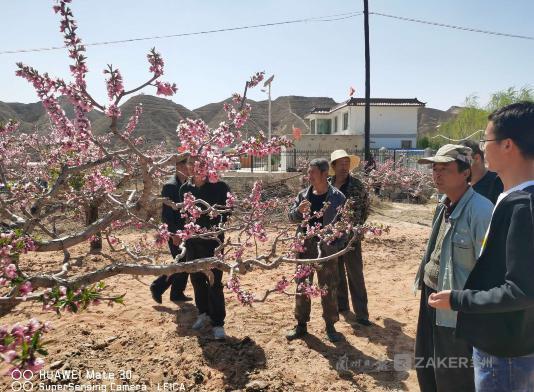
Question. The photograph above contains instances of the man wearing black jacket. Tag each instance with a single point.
(174, 222)
(496, 306)
(483, 181)
(209, 299)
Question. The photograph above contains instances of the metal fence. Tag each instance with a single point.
(290, 160)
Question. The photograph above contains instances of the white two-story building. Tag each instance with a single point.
(393, 125)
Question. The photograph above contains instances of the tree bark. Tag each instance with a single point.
(91, 216)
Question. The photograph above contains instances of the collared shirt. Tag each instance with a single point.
(449, 208)
(468, 220)
(461, 244)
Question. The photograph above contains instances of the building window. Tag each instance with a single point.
(312, 127)
(324, 126)
(406, 144)
(335, 124)
(346, 120)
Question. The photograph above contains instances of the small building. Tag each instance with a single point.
(393, 125)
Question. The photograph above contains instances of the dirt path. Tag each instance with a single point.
(152, 344)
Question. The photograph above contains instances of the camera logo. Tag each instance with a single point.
(21, 380)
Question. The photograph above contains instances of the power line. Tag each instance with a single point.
(327, 18)
(458, 140)
(470, 29)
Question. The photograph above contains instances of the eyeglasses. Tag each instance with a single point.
(482, 142)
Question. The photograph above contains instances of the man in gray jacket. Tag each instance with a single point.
(307, 202)
(443, 362)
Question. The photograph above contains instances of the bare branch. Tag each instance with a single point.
(124, 93)
(92, 229)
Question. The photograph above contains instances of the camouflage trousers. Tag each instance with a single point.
(327, 275)
(353, 264)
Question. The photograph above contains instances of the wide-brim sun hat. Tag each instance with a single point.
(338, 154)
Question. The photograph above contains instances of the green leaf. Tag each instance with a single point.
(8, 339)
(25, 350)
(74, 307)
(35, 339)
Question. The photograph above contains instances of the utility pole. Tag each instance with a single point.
(367, 124)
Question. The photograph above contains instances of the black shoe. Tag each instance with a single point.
(156, 293)
(363, 321)
(180, 297)
(332, 334)
(297, 333)
(158, 287)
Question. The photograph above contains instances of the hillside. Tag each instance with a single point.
(32, 116)
(286, 112)
(429, 119)
(158, 122)
(161, 116)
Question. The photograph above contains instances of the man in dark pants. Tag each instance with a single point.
(483, 181)
(311, 200)
(460, 222)
(496, 305)
(341, 165)
(174, 222)
(209, 299)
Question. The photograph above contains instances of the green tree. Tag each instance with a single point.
(508, 96)
(474, 117)
(470, 119)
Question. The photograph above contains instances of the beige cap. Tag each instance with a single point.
(338, 154)
(449, 153)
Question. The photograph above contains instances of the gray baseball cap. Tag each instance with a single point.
(449, 153)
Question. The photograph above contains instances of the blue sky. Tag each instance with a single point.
(439, 66)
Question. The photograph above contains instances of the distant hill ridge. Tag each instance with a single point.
(161, 116)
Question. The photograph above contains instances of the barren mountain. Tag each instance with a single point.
(161, 116)
(429, 119)
(157, 123)
(287, 112)
(32, 116)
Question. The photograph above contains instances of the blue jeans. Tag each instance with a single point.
(496, 374)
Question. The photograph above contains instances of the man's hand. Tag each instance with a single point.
(176, 240)
(441, 300)
(304, 206)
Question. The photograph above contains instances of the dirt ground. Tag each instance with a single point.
(146, 346)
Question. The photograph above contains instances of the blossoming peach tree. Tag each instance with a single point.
(395, 180)
(46, 181)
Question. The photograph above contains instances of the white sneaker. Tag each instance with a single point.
(202, 320)
(218, 333)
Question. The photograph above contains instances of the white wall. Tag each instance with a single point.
(400, 121)
(329, 142)
(386, 119)
(391, 142)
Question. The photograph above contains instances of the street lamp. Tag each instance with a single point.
(265, 84)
